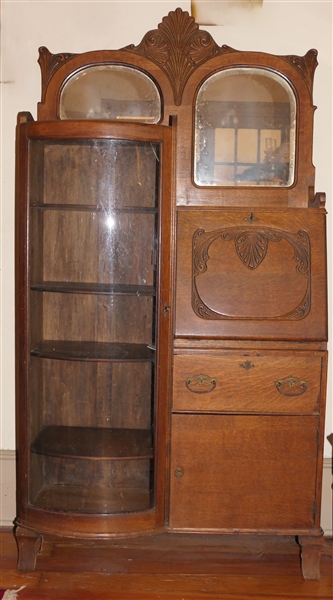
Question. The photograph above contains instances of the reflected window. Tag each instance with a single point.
(245, 120)
(113, 93)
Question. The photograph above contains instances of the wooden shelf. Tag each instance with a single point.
(71, 498)
(98, 209)
(93, 443)
(77, 287)
(93, 351)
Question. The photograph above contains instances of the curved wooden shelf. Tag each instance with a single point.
(93, 443)
(87, 500)
(78, 287)
(93, 351)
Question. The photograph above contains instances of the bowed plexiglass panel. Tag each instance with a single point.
(245, 120)
(94, 251)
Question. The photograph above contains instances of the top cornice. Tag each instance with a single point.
(178, 47)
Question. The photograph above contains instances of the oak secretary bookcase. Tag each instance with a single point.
(171, 295)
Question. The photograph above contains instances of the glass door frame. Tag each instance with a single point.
(71, 130)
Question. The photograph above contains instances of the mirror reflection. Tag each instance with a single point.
(245, 129)
(113, 93)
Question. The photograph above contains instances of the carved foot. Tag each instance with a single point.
(29, 543)
(310, 556)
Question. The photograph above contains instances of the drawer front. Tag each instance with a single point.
(248, 382)
(251, 276)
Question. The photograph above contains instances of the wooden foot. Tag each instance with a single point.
(29, 543)
(310, 556)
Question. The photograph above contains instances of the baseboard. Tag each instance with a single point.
(8, 487)
(327, 498)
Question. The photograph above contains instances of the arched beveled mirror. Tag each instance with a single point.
(245, 121)
(111, 92)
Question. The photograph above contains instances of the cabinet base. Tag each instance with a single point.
(29, 543)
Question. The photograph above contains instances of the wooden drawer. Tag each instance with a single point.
(250, 382)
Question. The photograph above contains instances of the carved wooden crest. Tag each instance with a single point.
(251, 245)
(306, 65)
(178, 47)
(49, 64)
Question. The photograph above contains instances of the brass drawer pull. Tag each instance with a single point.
(179, 473)
(291, 386)
(206, 384)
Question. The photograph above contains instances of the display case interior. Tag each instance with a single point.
(93, 257)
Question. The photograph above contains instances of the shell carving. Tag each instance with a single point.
(251, 248)
(178, 47)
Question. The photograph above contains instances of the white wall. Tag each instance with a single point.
(279, 27)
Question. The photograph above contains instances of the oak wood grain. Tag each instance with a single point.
(238, 473)
(247, 382)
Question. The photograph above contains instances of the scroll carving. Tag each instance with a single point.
(178, 47)
(306, 65)
(49, 64)
(251, 245)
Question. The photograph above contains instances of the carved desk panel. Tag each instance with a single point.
(251, 275)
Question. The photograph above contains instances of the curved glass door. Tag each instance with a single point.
(94, 255)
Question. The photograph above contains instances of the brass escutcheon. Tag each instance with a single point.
(247, 365)
(251, 218)
(179, 473)
(166, 309)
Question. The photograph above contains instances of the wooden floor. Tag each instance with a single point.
(166, 567)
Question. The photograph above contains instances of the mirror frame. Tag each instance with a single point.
(178, 56)
(224, 73)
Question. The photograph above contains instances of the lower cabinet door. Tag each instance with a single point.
(243, 472)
